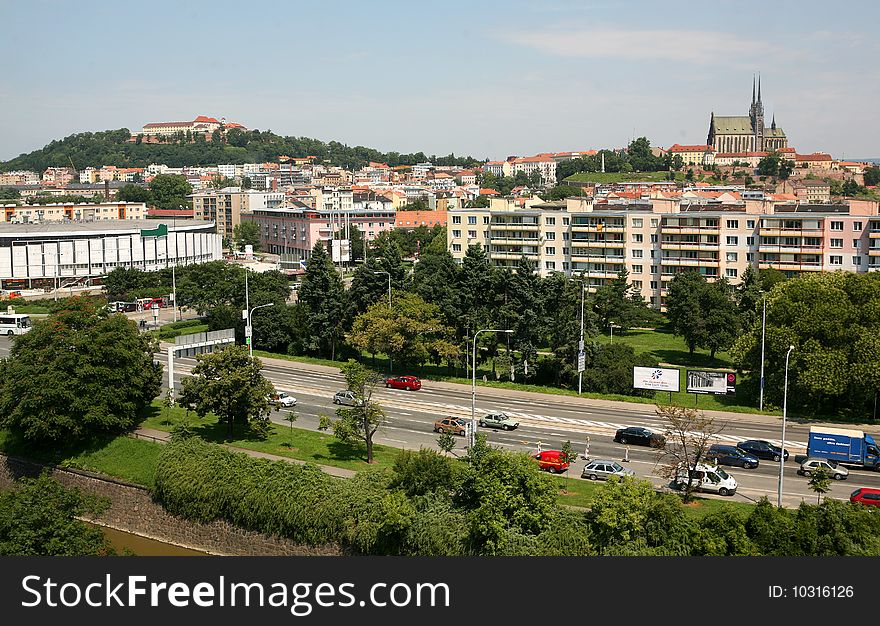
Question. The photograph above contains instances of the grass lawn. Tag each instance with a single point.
(666, 348)
(297, 443)
(621, 177)
(30, 309)
(130, 459)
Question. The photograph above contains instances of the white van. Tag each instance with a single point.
(709, 478)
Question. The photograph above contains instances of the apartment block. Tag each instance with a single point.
(226, 206)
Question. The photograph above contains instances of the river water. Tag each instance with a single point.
(126, 543)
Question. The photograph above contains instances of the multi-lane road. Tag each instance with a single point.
(546, 421)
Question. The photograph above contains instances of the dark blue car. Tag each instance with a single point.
(762, 449)
(731, 455)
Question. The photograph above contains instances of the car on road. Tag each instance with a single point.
(601, 469)
(282, 399)
(866, 495)
(409, 383)
(552, 461)
(498, 420)
(731, 455)
(346, 397)
(453, 425)
(762, 449)
(639, 436)
(709, 478)
(832, 468)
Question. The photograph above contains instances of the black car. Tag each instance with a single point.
(731, 455)
(762, 449)
(638, 436)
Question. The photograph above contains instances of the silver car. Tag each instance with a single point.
(600, 469)
(832, 468)
(346, 397)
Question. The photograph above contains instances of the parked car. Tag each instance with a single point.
(636, 435)
(346, 397)
(283, 399)
(410, 383)
(866, 495)
(731, 455)
(708, 478)
(551, 461)
(601, 469)
(454, 425)
(832, 468)
(762, 449)
(498, 420)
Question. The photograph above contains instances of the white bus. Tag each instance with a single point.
(14, 324)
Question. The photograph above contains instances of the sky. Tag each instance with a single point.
(487, 79)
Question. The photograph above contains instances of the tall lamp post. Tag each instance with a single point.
(581, 341)
(763, 333)
(250, 329)
(388, 274)
(474, 384)
(784, 411)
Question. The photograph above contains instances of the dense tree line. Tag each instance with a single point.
(490, 502)
(636, 158)
(111, 147)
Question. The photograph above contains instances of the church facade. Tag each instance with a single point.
(746, 133)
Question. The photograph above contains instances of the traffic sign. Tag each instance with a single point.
(582, 361)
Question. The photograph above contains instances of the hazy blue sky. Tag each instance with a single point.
(489, 79)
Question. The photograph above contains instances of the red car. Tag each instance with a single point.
(410, 383)
(866, 495)
(552, 461)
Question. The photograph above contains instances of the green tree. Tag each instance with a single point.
(39, 518)
(820, 483)
(410, 332)
(620, 303)
(134, 193)
(79, 373)
(852, 188)
(247, 233)
(769, 165)
(446, 442)
(361, 421)
(170, 191)
(560, 192)
(688, 433)
(324, 299)
(872, 176)
(703, 314)
(230, 384)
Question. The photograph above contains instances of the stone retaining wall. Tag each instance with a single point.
(133, 510)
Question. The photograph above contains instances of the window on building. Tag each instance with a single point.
(565, 265)
(652, 253)
(637, 284)
(565, 236)
(637, 222)
(565, 251)
(550, 221)
(750, 241)
(472, 234)
(857, 226)
(472, 219)
(732, 241)
(654, 223)
(456, 247)
(730, 272)
(855, 244)
(654, 269)
(637, 238)
(836, 260)
(550, 235)
(750, 257)
(550, 251)
(485, 219)
(565, 221)
(456, 234)
(637, 254)
(750, 223)
(857, 261)
(732, 256)
(837, 243)
(733, 224)
(836, 225)
(653, 238)
(637, 269)
(653, 284)
(550, 265)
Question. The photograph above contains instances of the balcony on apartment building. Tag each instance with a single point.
(594, 225)
(608, 272)
(790, 228)
(516, 238)
(583, 242)
(610, 255)
(518, 223)
(706, 227)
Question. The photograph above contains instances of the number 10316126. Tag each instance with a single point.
(811, 591)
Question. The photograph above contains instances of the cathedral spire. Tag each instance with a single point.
(753, 90)
(759, 89)
(773, 124)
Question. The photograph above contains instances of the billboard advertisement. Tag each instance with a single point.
(717, 383)
(656, 378)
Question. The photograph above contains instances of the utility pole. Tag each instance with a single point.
(763, 334)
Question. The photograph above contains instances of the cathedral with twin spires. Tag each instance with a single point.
(746, 133)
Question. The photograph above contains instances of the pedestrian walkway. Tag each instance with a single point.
(160, 436)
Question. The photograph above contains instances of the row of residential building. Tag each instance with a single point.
(654, 239)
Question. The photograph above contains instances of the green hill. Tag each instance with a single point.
(112, 147)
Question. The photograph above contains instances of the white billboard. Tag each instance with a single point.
(717, 383)
(656, 378)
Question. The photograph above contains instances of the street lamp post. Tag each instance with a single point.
(784, 412)
(250, 328)
(763, 333)
(581, 341)
(474, 384)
